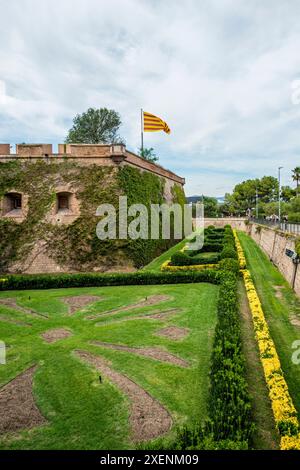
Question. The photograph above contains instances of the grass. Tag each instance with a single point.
(280, 305)
(81, 412)
(155, 264)
(203, 256)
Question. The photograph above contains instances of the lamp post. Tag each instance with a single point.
(256, 203)
(279, 191)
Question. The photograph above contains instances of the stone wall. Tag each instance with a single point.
(38, 234)
(236, 223)
(86, 154)
(274, 243)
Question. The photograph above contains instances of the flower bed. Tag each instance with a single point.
(240, 251)
(221, 246)
(284, 411)
(167, 266)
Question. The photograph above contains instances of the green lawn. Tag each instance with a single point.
(204, 256)
(81, 412)
(280, 305)
(155, 264)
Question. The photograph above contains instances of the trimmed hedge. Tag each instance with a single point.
(229, 252)
(54, 281)
(230, 424)
(183, 259)
(229, 264)
(229, 400)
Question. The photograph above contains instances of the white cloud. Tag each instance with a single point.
(220, 72)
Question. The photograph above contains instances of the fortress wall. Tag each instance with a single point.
(275, 243)
(111, 157)
(237, 223)
(86, 154)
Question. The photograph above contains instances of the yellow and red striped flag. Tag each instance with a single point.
(153, 124)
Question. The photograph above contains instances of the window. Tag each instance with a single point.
(16, 201)
(63, 202)
(12, 202)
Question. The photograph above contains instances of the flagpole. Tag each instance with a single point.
(142, 131)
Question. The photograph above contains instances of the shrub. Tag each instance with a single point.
(229, 402)
(229, 264)
(230, 423)
(228, 252)
(215, 247)
(294, 217)
(189, 259)
(54, 281)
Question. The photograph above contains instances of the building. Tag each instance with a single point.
(48, 203)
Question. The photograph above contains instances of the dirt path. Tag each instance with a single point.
(154, 315)
(12, 303)
(13, 322)
(18, 409)
(51, 336)
(147, 302)
(173, 332)
(77, 302)
(153, 353)
(148, 418)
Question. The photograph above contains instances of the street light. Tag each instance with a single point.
(279, 195)
(256, 203)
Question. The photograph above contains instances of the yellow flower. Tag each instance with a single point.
(284, 411)
(240, 252)
(166, 266)
(290, 442)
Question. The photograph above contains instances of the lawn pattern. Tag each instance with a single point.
(81, 412)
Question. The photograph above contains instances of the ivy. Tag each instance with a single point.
(77, 245)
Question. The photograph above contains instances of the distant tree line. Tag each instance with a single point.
(263, 192)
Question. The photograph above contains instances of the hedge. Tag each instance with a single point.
(230, 422)
(182, 259)
(54, 281)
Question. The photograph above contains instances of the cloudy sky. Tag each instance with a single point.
(222, 73)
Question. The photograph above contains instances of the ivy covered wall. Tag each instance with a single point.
(76, 247)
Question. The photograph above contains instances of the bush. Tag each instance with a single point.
(228, 252)
(54, 281)
(229, 264)
(230, 423)
(215, 247)
(190, 259)
(214, 236)
(229, 401)
(294, 217)
(181, 259)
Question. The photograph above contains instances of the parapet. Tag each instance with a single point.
(86, 154)
(33, 150)
(4, 149)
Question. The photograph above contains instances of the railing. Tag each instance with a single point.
(284, 226)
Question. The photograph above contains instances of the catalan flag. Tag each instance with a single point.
(153, 124)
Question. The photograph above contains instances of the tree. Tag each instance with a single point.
(211, 207)
(148, 154)
(287, 193)
(244, 195)
(296, 175)
(95, 126)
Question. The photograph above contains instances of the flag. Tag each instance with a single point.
(153, 124)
